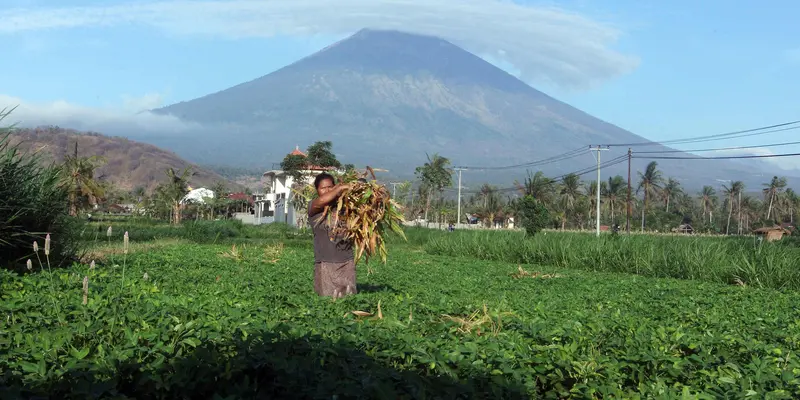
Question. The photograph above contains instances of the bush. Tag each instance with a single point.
(33, 203)
(533, 215)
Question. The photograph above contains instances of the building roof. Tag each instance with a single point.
(241, 196)
(772, 229)
(297, 152)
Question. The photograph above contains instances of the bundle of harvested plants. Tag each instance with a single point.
(368, 212)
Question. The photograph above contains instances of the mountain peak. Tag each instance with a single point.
(402, 53)
(387, 97)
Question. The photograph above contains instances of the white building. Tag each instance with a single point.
(197, 196)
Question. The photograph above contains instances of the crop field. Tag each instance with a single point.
(225, 311)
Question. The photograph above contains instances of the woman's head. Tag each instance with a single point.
(324, 182)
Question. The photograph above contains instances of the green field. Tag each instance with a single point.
(456, 319)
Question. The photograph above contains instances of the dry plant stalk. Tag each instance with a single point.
(273, 253)
(234, 253)
(85, 290)
(368, 314)
(477, 320)
(367, 212)
(521, 273)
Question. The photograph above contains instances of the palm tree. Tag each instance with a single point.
(590, 189)
(791, 201)
(435, 175)
(537, 186)
(613, 192)
(709, 199)
(772, 190)
(569, 192)
(486, 191)
(749, 207)
(174, 190)
(492, 206)
(732, 192)
(650, 182)
(670, 190)
(79, 179)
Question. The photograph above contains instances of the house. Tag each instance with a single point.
(197, 196)
(684, 228)
(772, 233)
(278, 184)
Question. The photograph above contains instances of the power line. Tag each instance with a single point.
(729, 135)
(718, 149)
(556, 158)
(580, 172)
(719, 157)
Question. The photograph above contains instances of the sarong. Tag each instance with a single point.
(335, 279)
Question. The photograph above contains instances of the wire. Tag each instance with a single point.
(561, 157)
(720, 157)
(729, 135)
(580, 172)
(718, 149)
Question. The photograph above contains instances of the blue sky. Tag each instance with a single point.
(679, 69)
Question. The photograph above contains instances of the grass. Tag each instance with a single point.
(198, 319)
(722, 259)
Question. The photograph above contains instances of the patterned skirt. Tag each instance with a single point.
(335, 279)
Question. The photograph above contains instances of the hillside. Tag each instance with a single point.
(129, 165)
(387, 98)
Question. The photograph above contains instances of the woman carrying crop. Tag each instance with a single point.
(334, 265)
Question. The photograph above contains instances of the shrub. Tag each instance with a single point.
(33, 203)
(533, 215)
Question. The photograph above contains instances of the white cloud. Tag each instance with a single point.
(543, 43)
(114, 120)
(147, 102)
(791, 163)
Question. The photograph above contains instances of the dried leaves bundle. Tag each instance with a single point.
(521, 273)
(367, 212)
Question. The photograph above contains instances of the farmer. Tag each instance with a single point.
(334, 266)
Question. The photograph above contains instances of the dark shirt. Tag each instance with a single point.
(325, 249)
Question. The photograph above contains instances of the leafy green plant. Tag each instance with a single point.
(189, 326)
(533, 215)
(33, 203)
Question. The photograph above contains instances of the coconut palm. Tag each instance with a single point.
(670, 191)
(78, 177)
(771, 192)
(732, 192)
(537, 186)
(174, 190)
(435, 175)
(650, 183)
(790, 202)
(613, 192)
(569, 192)
(492, 206)
(708, 197)
(749, 208)
(590, 189)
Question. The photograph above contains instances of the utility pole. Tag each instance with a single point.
(629, 211)
(597, 189)
(458, 218)
(76, 149)
(394, 188)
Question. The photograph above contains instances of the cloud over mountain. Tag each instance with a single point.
(545, 44)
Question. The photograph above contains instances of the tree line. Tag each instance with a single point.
(658, 203)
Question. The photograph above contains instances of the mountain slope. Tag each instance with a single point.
(129, 164)
(387, 98)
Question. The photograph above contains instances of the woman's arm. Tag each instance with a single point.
(318, 204)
